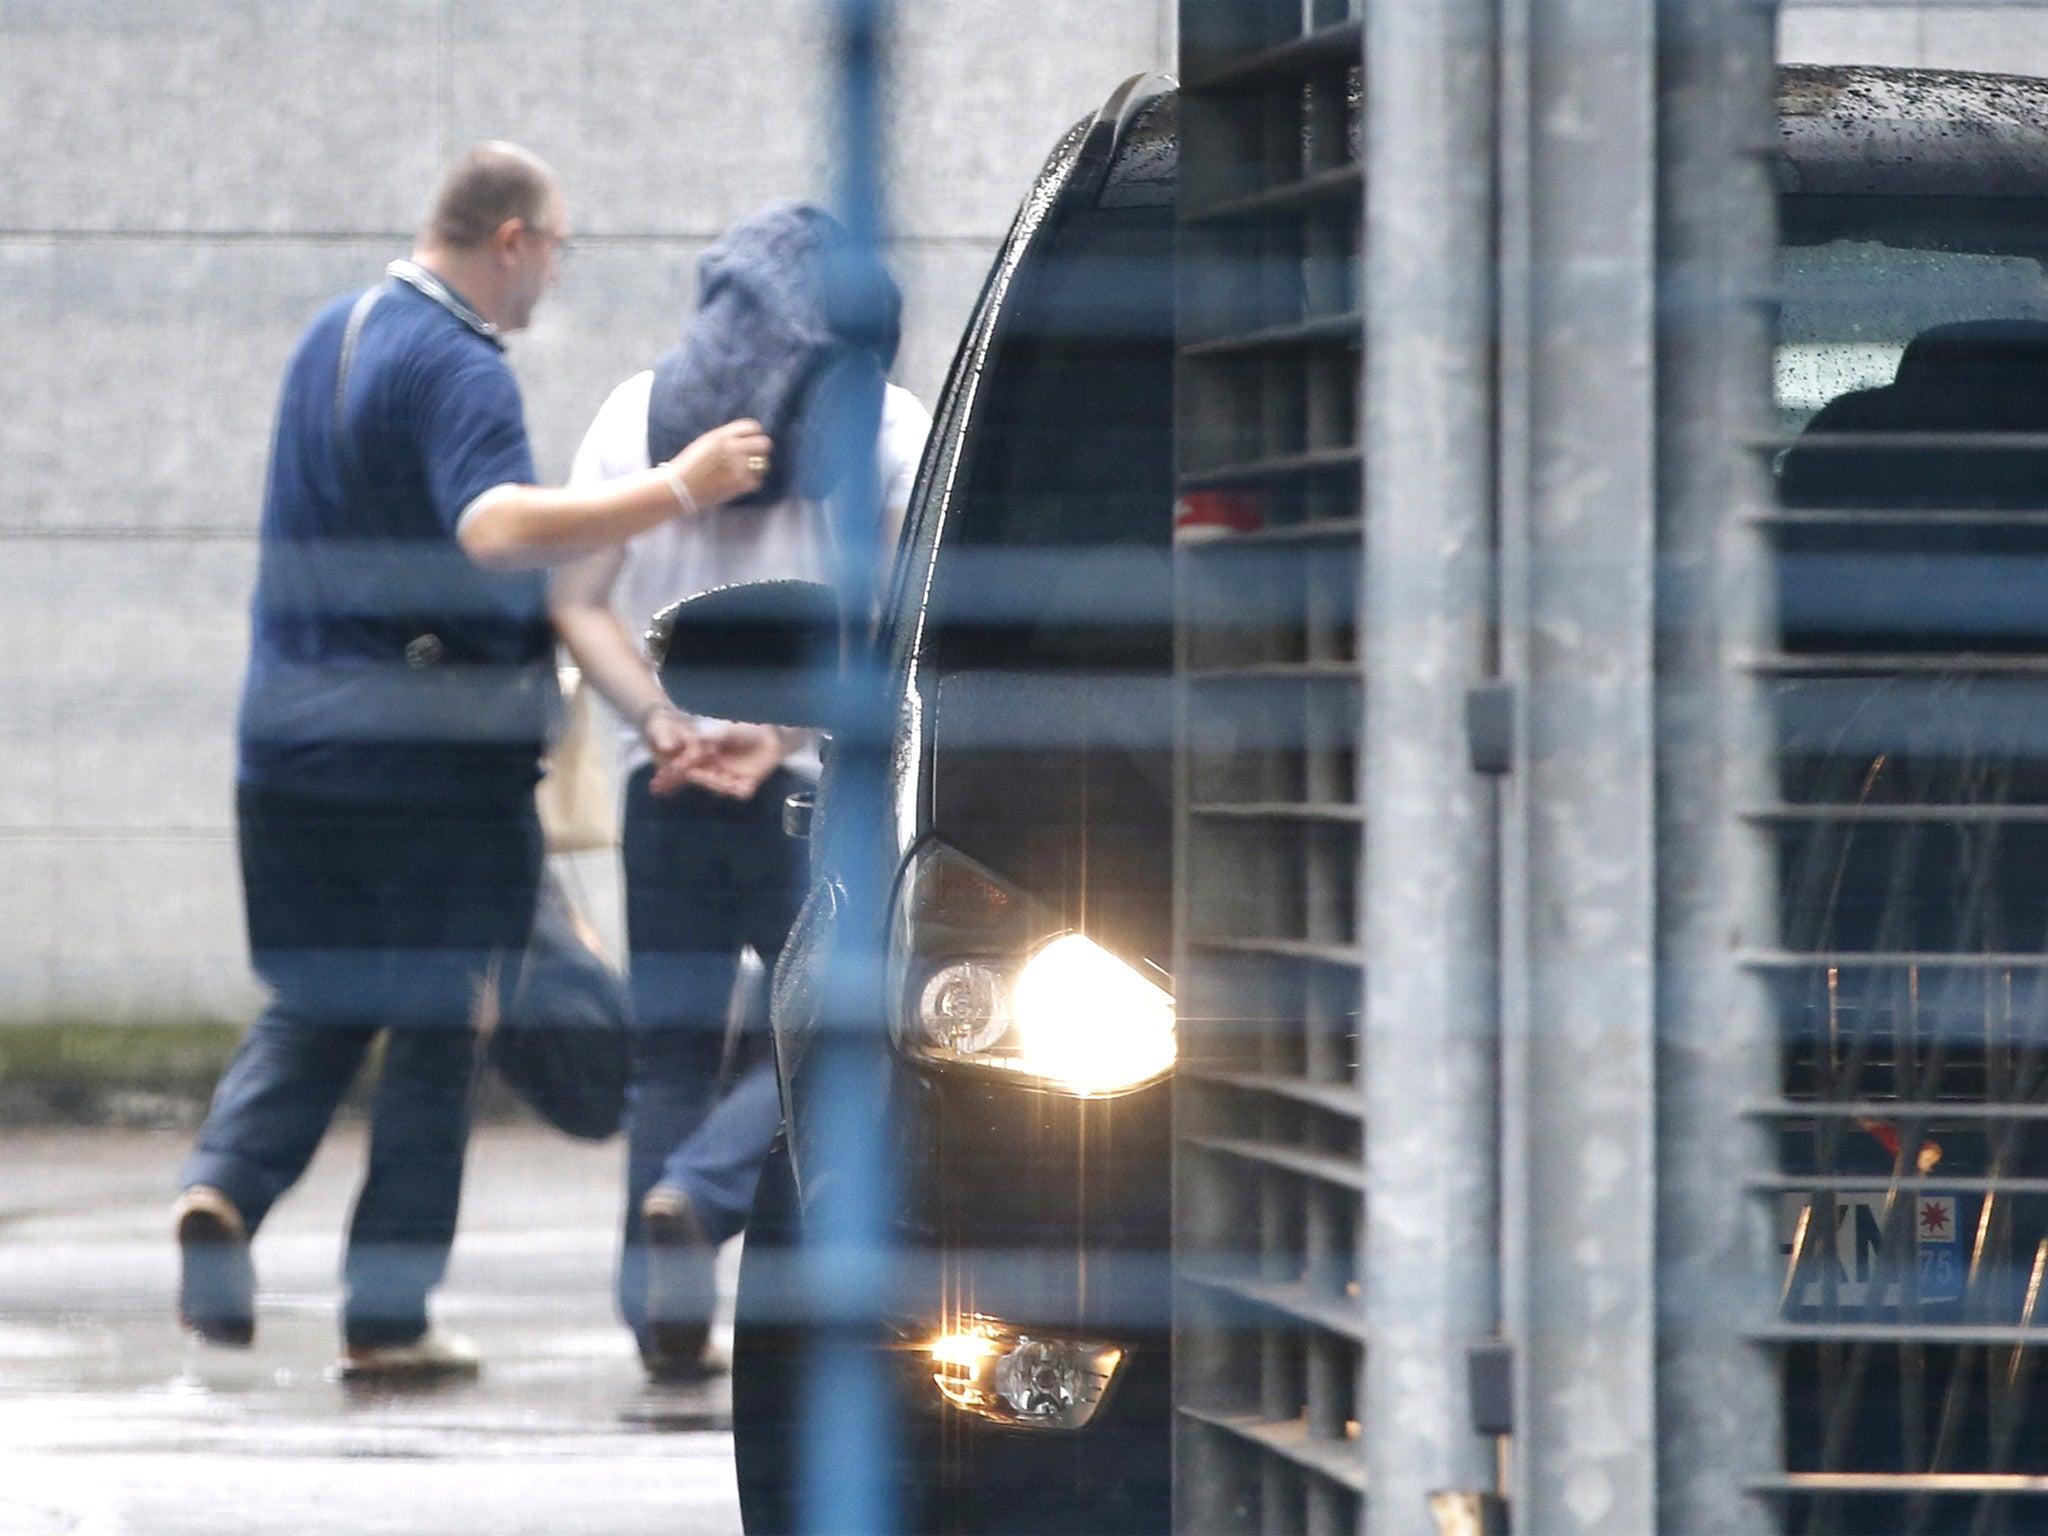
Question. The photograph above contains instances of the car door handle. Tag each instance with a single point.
(797, 812)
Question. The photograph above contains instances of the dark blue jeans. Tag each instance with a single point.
(368, 918)
(706, 877)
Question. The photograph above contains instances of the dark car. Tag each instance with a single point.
(1021, 788)
(1912, 375)
(1024, 792)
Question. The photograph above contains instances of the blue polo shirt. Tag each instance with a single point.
(383, 663)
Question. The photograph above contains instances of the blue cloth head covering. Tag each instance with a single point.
(791, 315)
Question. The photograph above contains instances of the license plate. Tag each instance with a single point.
(1858, 1250)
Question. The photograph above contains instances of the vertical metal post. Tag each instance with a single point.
(1429, 1046)
(1717, 1401)
(846, 1443)
(1576, 640)
(1514, 332)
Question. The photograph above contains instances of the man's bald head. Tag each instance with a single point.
(484, 187)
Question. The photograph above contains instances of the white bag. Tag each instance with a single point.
(578, 811)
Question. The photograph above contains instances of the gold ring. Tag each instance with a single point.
(756, 465)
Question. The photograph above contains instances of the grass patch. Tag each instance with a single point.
(77, 1072)
(153, 1075)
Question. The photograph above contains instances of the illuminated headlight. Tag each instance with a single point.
(1086, 1019)
(1033, 1380)
(1062, 1010)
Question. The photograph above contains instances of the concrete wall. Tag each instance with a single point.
(1933, 34)
(188, 181)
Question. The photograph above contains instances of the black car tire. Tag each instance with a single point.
(768, 1353)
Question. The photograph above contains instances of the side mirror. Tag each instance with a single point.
(766, 652)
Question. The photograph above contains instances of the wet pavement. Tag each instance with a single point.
(113, 1424)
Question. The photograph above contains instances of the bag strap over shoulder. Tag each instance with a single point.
(344, 445)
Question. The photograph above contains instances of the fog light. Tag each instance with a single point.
(1034, 1380)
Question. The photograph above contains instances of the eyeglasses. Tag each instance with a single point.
(558, 243)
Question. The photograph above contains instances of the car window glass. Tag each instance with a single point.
(1051, 588)
(1057, 554)
(1850, 307)
(901, 617)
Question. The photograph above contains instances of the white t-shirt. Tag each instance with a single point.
(726, 545)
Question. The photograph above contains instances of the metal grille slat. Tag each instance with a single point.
(1878, 960)
(1341, 1172)
(1337, 1099)
(1338, 1461)
(1286, 949)
(1322, 531)
(1878, 1184)
(1331, 47)
(1279, 810)
(1342, 182)
(1855, 666)
(1863, 442)
(1279, 672)
(1270, 831)
(1905, 1482)
(1884, 814)
(1837, 518)
(1294, 1299)
(1931, 1112)
(1904, 1333)
(1329, 330)
(1278, 467)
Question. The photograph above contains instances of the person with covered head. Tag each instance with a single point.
(400, 682)
(1960, 430)
(1963, 377)
(708, 870)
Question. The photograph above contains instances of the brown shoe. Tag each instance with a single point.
(216, 1282)
(682, 1287)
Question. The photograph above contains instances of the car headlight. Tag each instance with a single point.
(984, 976)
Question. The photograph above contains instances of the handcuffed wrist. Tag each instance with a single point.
(649, 710)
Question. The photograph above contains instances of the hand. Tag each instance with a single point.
(725, 462)
(736, 760)
(676, 747)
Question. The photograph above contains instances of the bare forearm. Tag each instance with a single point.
(610, 660)
(522, 527)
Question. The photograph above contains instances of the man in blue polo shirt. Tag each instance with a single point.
(401, 674)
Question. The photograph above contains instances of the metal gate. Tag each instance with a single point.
(1908, 1169)
(1269, 1159)
(1467, 1161)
